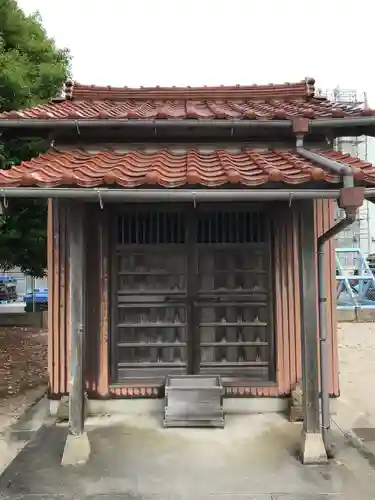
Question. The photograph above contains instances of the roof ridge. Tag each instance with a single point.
(304, 89)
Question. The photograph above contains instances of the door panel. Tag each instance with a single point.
(151, 333)
(191, 293)
(233, 294)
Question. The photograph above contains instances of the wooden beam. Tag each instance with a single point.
(76, 261)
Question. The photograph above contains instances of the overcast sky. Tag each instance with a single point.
(195, 42)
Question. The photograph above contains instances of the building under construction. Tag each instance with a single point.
(360, 234)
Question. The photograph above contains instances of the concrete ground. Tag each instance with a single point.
(21, 429)
(135, 458)
(254, 457)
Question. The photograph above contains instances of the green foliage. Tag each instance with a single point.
(32, 70)
(23, 237)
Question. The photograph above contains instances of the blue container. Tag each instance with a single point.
(40, 296)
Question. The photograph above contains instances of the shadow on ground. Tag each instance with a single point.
(136, 459)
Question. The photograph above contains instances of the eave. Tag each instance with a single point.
(189, 129)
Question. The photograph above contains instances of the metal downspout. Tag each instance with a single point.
(350, 216)
(335, 166)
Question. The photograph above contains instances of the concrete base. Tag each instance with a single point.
(21, 318)
(232, 406)
(77, 450)
(313, 451)
(61, 412)
(356, 315)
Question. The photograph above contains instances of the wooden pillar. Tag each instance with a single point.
(103, 224)
(77, 446)
(312, 450)
(76, 264)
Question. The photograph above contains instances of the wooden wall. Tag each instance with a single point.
(287, 295)
(58, 341)
(286, 303)
(97, 320)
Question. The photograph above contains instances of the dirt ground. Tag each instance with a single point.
(23, 368)
(357, 366)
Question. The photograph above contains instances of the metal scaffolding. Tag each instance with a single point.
(357, 235)
(355, 288)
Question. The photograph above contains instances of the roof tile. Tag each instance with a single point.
(203, 103)
(248, 167)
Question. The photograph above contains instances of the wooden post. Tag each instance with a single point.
(103, 290)
(312, 450)
(77, 446)
(77, 311)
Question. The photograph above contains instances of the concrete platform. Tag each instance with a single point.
(135, 458)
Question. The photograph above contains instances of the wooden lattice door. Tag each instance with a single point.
(191, 293)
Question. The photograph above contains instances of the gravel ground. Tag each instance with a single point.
(23, 369)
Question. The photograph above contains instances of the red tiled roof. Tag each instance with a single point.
(207, 103)
(247, 167)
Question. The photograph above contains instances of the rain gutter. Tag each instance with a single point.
(350, 215)
(58, 123)
(356, 121)
(124, 123)
(172, 195)
(169, 194)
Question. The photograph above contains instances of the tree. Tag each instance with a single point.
(32, 70)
